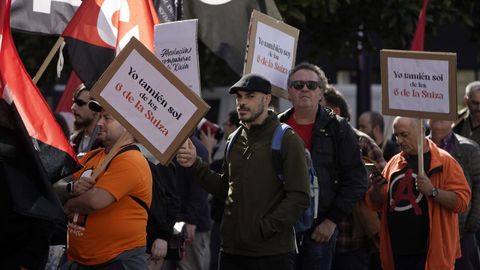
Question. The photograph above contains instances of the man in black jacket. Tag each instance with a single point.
(469, 119)
(467, 153)
(336, 158)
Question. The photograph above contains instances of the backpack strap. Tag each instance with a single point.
(276, 147)
(141, 203)
(276, 150)
(230, 142)
(124, 149)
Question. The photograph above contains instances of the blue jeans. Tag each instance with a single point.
(312, 255)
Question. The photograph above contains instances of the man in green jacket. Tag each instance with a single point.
(260, 210)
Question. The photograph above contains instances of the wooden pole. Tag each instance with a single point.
(421, 138)
(119, 143)
(48, 59)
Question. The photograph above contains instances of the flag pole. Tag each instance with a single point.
(48, 59)
(178, 9)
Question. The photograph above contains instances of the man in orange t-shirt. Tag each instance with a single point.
(110, 230)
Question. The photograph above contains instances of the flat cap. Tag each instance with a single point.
(252, 83)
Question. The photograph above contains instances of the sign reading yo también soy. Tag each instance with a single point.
(271, 51)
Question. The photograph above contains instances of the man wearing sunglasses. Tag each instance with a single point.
(84, 137)
(336, 158)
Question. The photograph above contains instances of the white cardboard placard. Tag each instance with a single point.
(149, 100)
(176, 46)
(419, 84)
(271, 50)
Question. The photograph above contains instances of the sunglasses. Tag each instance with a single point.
(79, 102)
(311, 85)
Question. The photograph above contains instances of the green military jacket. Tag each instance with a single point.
(260, 210)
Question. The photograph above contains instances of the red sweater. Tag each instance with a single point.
(444, 239)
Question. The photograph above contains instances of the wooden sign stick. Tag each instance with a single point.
(118, 144)
(421, 138)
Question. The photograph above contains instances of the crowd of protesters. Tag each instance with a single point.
(238, 214)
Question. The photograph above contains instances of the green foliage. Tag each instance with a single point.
(326, 26)
(332, 25)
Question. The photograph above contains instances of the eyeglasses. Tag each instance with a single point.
(80, 102)
(311, 85)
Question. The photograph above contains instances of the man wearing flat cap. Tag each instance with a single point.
(260, 210)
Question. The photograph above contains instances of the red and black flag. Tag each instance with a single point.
(34, 151)
(101, 28)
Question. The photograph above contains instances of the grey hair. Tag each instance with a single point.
(322, 79)
(473, 86)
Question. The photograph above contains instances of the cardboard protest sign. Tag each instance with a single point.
(149, 100)
(419, 84)
(176, 46)
(271, 50)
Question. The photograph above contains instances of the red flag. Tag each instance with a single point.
(101, 28)
(66, 101)
(418, 39)
(41, 152)
(16, 87)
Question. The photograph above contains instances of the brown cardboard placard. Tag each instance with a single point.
(419, 84)
(149, 100)
(271, 50)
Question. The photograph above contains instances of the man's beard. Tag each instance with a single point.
(254, 113)
(81, 124)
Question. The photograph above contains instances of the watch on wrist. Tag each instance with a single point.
(434, 192)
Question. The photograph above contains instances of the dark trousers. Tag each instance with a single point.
(353, 260)
(240, 262)
(410, 262)
(134, 259)
(313, 255)
(470, 259)
(214, 245)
